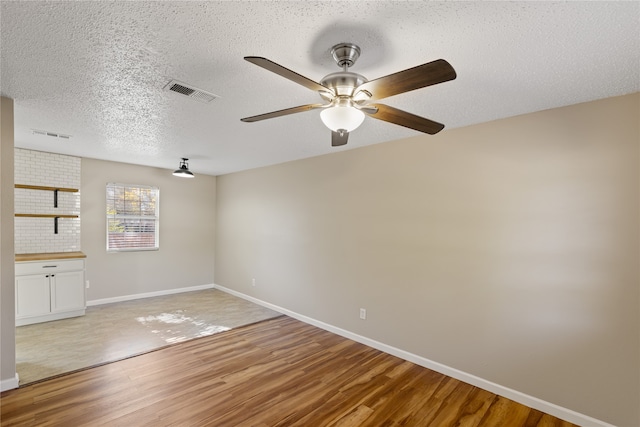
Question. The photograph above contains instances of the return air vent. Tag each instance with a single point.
(52, 134)
(190, 91)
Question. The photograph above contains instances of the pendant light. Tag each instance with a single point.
(183, 170)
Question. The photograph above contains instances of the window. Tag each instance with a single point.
(132, 217)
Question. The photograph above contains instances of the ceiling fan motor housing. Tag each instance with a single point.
(343, 83)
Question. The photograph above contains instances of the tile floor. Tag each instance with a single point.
(116, 331)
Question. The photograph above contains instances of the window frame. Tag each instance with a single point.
(142, 217)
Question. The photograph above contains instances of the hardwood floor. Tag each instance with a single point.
(280, 372)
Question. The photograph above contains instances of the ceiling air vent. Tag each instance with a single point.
(190, 91)
(52, 134)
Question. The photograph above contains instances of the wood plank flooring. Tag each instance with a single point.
(280, 372)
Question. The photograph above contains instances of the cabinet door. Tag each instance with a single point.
(33, 296)
(67, 291)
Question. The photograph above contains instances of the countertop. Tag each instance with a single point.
(49, 256)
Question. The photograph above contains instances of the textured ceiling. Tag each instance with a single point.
(96, 70)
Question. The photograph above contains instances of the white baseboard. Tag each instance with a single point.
(530, 401)
(147, 295)
(21, 321)
(10, 383)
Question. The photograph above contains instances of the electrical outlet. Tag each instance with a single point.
(86, 284)
(363, 313)
(253, 282)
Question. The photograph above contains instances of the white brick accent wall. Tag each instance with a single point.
(36, 235)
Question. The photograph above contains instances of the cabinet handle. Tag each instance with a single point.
(49, 266)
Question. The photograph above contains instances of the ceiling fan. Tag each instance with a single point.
(350, 96)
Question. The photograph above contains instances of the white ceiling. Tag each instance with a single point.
(96, 70)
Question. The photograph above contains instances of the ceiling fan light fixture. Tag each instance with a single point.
(345, 118)
(183, 170)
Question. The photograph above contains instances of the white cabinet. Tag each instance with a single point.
(67, 291)
(49, 290)
(33, 296)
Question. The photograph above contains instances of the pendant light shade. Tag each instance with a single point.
(183, 170)
(340, 117)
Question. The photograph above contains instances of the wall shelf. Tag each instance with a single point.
(45, 188)
(42, 187)
(54, 216)
(46, 215)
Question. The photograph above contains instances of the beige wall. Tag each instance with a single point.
(508, 250)
(187, 232)
(7, 289)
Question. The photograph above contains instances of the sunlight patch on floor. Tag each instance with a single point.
(199, 328)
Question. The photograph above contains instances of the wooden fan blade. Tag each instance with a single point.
(339, 138)
(402, 118)
(424, 75)
(285, 112)
(287, 73)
